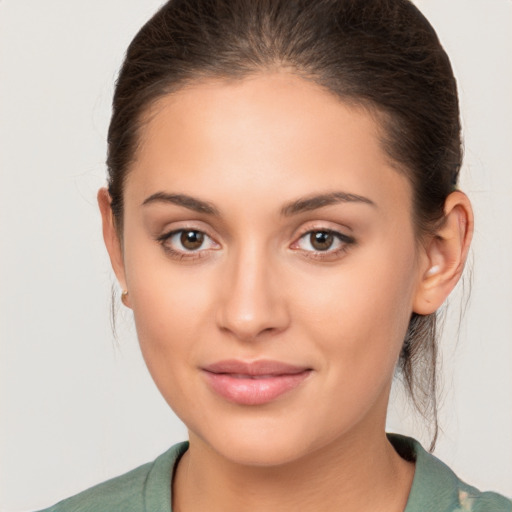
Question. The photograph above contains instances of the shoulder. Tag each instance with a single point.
(124, 492)
(147, 487)
(474, 500)
(437, 488)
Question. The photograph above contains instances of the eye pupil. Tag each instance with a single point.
(321, 240)
(192, 239)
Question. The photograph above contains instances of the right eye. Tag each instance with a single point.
(186, 243)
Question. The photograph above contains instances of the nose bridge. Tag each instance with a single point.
(252, 303)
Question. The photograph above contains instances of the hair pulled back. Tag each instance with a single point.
(380, 54)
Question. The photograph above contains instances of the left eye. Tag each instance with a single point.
(323, 240)
(187, 240)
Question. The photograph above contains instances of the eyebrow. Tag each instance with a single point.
(305, 204)
(184, 200)
(300, 205)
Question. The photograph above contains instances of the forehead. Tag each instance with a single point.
(265, 134)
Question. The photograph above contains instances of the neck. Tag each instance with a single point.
(358, 472)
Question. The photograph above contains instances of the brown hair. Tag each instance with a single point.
(380, 54)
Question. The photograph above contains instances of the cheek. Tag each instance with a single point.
(361, 313)
(171, 308)
(169, 318)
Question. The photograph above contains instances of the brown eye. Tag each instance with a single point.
(321, 240)
(187, 243)
(191, 240)
(324, 244)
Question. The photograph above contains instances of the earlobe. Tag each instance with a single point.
(111, 237)
(446, 254)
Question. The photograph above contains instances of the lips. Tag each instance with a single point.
(253, 383)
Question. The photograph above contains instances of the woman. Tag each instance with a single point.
(283, 218)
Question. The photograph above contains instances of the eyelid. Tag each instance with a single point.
(324, 226)
(181, 253)
(174, 232)
(345, 240)
(186, 225)
(341, 236)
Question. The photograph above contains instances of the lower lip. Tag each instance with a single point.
(254, 391)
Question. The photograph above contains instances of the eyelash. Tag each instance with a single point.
(345, 240)
(328, 255)
(182, 255)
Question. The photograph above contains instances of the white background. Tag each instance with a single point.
(78, 407)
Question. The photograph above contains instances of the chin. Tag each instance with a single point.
(261, 452)
(264, 441)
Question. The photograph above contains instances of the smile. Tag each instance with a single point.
(253, 383)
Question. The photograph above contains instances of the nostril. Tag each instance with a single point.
(252, 329)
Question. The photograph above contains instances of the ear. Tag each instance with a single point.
(111, 238)
(445, 255)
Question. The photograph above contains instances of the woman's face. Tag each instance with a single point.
(271, 264)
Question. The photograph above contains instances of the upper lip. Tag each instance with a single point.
(255, 368)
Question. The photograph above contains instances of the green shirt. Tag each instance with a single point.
(435, 487)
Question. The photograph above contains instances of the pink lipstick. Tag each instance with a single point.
(253, 383)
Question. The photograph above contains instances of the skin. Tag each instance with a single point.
(261, 289)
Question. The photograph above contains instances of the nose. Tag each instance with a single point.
(252, 305)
